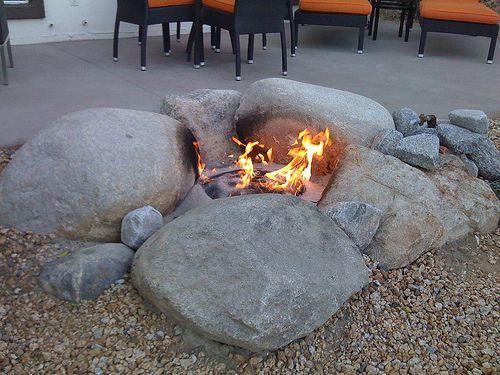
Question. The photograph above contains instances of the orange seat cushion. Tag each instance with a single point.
(336, 6)
(167, 3)
(462, 11)
(224, 5)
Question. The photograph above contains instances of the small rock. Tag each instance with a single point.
(86, 273)
(470, 166)
(420, 151)
(439, 306)
(358, 220)
(470, 119)
(426, 130)
(138, 225)
(461, 339)
(254, 361)
(386, 141)
(406, 121)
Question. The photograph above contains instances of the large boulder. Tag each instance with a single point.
(421, 210)
(275, 110)
(81, 176)
(86, 273)
(279, 271)
(209, 114)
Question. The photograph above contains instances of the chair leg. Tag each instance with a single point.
(491, 52)
(236, 38)
(296, 37)
(213, 37)
(361, 39)
(218, 40)
(115, 40)
(166, 38)
(375, 26)
(144, 38)
(233, 41)
(251, 39)
(292, 35)
(421, 48)
(370, 24)
(401, 23)
(284, 65)
(139, 37)
(9, 52)
(190, 43)
(264, 41)
(178, 32)
(3, 62)
(408, 25)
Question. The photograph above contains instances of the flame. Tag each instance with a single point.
(292, 176)
(199, 162)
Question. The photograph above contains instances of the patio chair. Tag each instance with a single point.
(465, 17)
(151, 12)
(244, 17)
(408, 9)
(347, 13)
(4, 44)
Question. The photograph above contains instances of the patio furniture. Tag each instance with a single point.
(243, 17)
(466, 17)
(347, 13)
(151, 12)
(288, 17)
(408, 9)
(4, 44)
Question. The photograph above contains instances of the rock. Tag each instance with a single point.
(458, 140)
(358, 220)
(495, 186)
(470, 119)
(386, 141)
(275, 110)
(138, 225)
(470, 167)
(469, 195)
(406, 121)
(487, 159)
(209, 114)
(415, 216)
(81, 176)
(195, 197)
(426, 130)
(250, 284)
(419, 150)
(86, 273)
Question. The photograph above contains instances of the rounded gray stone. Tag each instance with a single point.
(406, 121)
(138, 225)
(471, 119)
(81, 176)
(255, 271)
(86, 273)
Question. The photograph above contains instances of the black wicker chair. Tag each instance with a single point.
(246, 17)
(4, 44)
(408, 9)
(145, 13)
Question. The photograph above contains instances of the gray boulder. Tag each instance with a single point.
(275, 110)
(209, 114)
(421, 210)
(470, 166)
(406, 121)
(358, 220)
(81, 176)
(487, 159)
(86, 273)
(458, 140)
(277, 272)
(470, 119)
(420, 150)
(195, 198)
(140, 224)
(426, 130)
(386, 141)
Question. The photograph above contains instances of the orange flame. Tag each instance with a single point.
(199, 162)
(292, 176)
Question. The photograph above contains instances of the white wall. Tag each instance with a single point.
(65, 20)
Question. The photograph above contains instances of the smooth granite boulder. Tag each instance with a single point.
(279, 271)
(81, 176)
(209, 114)
(140, 224)
(86, 273)
(406, 121)
(471, 119)
(421, 210)
(275, 110)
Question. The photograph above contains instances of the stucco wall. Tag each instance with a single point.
(73, 19)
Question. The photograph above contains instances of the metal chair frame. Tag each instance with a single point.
(5, 45)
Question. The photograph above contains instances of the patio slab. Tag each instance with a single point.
(51, 80)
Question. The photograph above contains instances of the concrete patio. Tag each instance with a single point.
(51, 80)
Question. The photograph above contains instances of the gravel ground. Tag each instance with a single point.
(437, 316)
